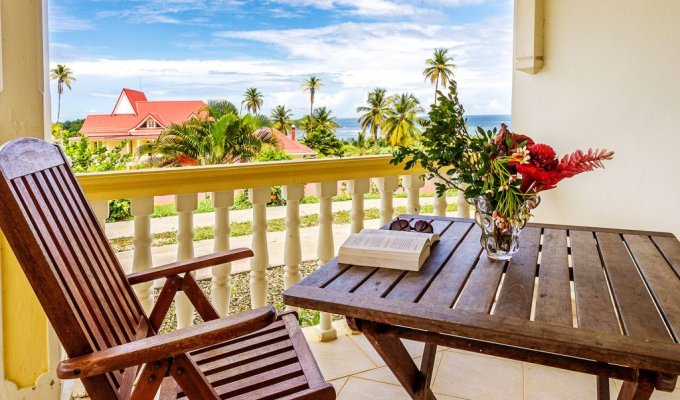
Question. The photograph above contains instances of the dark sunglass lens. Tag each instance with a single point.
(423, 226)
(399, 225)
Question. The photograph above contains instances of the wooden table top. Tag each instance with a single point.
(601, 294)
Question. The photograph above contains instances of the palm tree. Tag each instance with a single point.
(312, 84)
(403, 124)
(253, 100)
(375, 113)
(215, 109)
(208, 141)
(64, 76)
(439, 69)
(323, 118)
(281, 118)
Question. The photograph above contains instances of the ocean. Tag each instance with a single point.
(350, 127)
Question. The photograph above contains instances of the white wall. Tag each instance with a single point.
(611, 79)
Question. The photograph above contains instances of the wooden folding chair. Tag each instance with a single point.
(113, 346)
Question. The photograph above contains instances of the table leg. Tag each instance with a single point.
(603, 388)
(641, 389)
(427, 364)
(393, 352)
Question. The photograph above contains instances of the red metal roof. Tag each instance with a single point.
(122, 125)
(288, 145)
(133, 96)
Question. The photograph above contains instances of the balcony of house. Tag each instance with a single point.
(320, 203)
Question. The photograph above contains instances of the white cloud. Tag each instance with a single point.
(379, 8)
(350, 58)
(60, 21)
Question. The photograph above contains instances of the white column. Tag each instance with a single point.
(326, 247)
(413, 184)
(220, 287)
(101, 211)
(386, 186)
(186, 205)
(260, 261)
(439, 202)
(141, 209)
(292, 252)
(463, 205)
(358, 188)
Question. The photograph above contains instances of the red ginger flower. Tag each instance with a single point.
(536, 178)
(543, 156)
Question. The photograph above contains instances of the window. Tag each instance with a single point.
(151, 123)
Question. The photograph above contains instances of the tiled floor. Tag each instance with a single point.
(358, 373)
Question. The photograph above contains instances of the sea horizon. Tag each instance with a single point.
(350, 128)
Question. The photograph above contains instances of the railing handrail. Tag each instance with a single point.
(215, 178)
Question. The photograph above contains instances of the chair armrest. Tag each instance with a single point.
(161, 347)
(188, 265)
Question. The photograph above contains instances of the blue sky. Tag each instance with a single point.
(215, 49)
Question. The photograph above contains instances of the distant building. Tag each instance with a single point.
(137, 120)
(286, 144)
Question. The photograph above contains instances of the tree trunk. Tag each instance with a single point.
(59, 108)
(436, 89)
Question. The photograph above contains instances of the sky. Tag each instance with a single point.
(216, 49)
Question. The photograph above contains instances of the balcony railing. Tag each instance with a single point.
(186, 183)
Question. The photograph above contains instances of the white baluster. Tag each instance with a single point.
(386, 186)
(141, 210)
(358, 188)
(326, 247)
(439, 202)
(292, 252)
(463, 205)
(101, 211)
(413, 184)
(260, 261)
(186, 205)
(220, 287)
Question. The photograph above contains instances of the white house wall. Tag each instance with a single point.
(611, 78)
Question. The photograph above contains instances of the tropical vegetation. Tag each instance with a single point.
(439, 70)
(374, 113)
(403, 125)
(282, 119)
(311, 85)
(223, 136)
(64, 77)
(253, 100)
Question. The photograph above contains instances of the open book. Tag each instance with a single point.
(387, 249)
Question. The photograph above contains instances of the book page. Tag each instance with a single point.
(411, 243)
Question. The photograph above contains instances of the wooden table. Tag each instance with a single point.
(601, 301)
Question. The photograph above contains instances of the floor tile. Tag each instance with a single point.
(362, 389)
(479, 378)
(338, 358)
(557, 384)
(415, 349)
(385, 375)
(338, 384)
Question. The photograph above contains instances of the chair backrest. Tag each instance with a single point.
(65, 255)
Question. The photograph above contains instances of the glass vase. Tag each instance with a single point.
(500, 239)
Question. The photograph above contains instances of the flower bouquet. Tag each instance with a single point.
(500, 172)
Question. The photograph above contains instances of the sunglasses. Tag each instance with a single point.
(419, 226)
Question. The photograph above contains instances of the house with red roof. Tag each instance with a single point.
(286, 144)
(136, 119)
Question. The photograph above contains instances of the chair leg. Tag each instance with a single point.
(192, 381)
